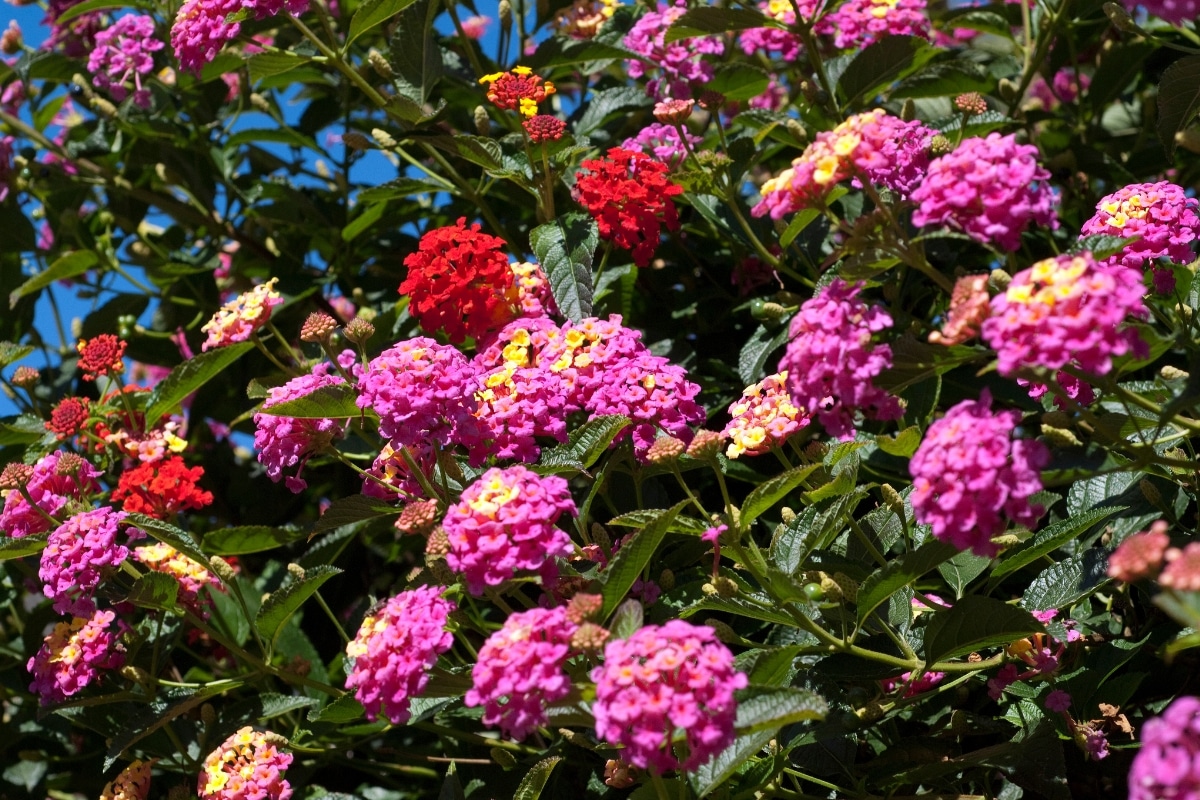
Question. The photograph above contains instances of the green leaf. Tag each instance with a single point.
(372, 14)
(190, 376)
(643, 517)
(273, 704)
(167, 533)
(328, 402)
(74, 12)
(482, 152)
(413, 53)
(1068, 581)
(348, 510)
(156, 590)
(628, 619)
(764, 708)
(1102, 245)
(940, 80)
(11, 353)
(962, 569)
(1051, 538)
(886, 581)
(633, 557)
(285, 601)
(771, 492)
(798, 225)
(264, 65)
(882, 63)
(21, 546)
(565, 248)
(752, 360)
(400, 188)
(452, 787)
(534, 781)
(739, 81)
(708, 20)
(169, 703)
(739, 607)
(583, 447)
(974, 623)
(1119, 67)
(792, 542)
(603, 104)
(248, 539)
(345, 709)
(67, 266)
(1178, 99)
(712, 773)
(286, 136)
(903, 444)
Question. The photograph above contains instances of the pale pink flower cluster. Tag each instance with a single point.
(1182, 571)
(858, 23)
(992, 189)
(192, 576)
(246, 765)
(665, 681)
(764, 417)
(79, 554)
(680, 65)
(519, 672)
(1160, 217)
(125, 52)
(832, 363)
(238, 319)
(1140, 555)
(1167, 767)
(396, 646)
(970, 478)
(873, 146)
(505, 523)
(1066, 310)
(285, 442)
(50, 492)
(74, 654)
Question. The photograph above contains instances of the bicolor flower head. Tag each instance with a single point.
(102, 355)
(75, 654)
(504, 524)
(241, 317)
(192, 576)
(662, 683)
(764, 417)
(131, 783)
(971, 478)
(246, 765)
(517, 90)
(395, 647)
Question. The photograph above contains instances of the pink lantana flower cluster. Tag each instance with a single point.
(1140, 555)
(505, 523)
(764, 417)
(1066, 310)
(970, 478)
(238, 319)
(776, 40)
(1167, 767)
(125, 52)
(78, 555)
(246, 765)
(391, 475)
(519, 672)
(1164, 218)
(1175, 12)
(396, 646)
(663, 142)
(50, 491)
(858, 23)
(131, 783)
(667, 681)
(74, 654)
(680, 64)
(285, 442)
(200, 29)
(873, 146)
(832, 363)
(992, 189)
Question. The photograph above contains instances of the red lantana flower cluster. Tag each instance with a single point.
(68, 417)
(162, 489)
(629, 195)
(459, 281)
(102, 355)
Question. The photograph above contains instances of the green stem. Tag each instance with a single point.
(332, 617)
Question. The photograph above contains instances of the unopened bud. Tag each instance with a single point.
(438, 543)
(222, 569)
(1008, 90)
(1060, 437)
(208, 714)
(666, 580)
(279, 740)
(1119, 17)
(705, 445)
(796, 130)
(25, 377)
(787, 514)
(970, 103)
(68, 464)
(908, 111)
(260, 103)
(584, 606)
(380, 64)
(483, 122)
(600, 536)
(418, 518)
(383, 138)
(135, 674)
(505, 13)
(1167, 373)
(1151, 493)
(711, 100)
(11, 40)
(318, 327)
(939, 145)
(665, 450)
(893, 499)
(102, 107)
(359, 331)
(589, 638)
(1059, 419)
(998, 280)
(725, 633)
(296, 571)
(1189, 139)
(722, 586)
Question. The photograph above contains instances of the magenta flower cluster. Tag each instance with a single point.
(50, 492)
(285, 442)
(1164, 218)
(79, 554)
(505, 523)
(1168, 765)
(1066, 310)
(124, 52)
(991, 189)
(663, 142)
(971, 478)
(775, 40)
(857, 23)
(665, 681)
(680, 65)
(520, 672)
(831, 362)
(1175, 12)
(200, 29)
(396, 646)
(74, 654)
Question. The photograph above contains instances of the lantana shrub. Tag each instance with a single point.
(595, 399)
